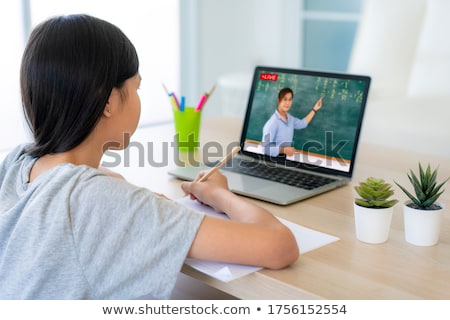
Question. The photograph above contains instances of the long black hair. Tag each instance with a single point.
(69, 67)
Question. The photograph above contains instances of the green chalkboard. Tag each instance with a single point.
(334, 127)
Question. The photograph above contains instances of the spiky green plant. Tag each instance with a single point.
(374, 193)
(426, 189)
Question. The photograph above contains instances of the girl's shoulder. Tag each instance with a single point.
(16, 153)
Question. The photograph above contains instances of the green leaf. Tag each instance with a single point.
(408, 194)
(391, 203)
(426, 189)
(417, 186)
(363, 203)
(363, 193)
(374, 192)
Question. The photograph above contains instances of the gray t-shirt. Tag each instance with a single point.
(75, 233)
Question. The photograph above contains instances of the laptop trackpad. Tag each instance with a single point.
(262, 189)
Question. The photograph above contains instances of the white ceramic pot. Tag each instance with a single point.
(372, 225)
(422, 227)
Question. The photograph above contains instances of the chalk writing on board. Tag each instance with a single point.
(339, 114)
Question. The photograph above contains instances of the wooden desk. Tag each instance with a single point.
(346, 269)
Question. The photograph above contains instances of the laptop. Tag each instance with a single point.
(282, 161)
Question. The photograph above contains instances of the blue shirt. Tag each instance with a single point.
(278, 132)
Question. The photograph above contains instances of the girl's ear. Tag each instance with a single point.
(107, 110)
(113, 102)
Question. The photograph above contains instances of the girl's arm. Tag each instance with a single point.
(251, 236)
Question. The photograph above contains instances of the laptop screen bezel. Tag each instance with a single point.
(294, 164)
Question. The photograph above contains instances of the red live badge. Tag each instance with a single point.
(268, 76)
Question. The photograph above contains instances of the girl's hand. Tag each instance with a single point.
(212, 192)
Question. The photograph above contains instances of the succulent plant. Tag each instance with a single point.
(426, 189)
(374, 193)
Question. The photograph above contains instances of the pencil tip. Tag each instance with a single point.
(165, 88)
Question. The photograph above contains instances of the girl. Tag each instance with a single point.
(69, 230)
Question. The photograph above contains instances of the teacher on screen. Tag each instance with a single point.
(278, 132)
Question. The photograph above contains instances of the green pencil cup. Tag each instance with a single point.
(187, 129)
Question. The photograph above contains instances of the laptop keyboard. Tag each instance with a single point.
(278, 174)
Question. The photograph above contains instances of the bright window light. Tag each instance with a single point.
(152, 26)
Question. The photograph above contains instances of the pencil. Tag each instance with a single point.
(173, 101)
(165, 88)
(176, 100)
(172, 97)
(204, 97)
(182, 104)
(211, 90)
(201, 102)
(220, 164)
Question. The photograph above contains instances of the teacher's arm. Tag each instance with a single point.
(314, 110)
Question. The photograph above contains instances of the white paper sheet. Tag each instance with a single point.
(307, 240)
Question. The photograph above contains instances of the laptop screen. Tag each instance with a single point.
(305, 118)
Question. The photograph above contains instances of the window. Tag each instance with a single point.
(328, 31)
(153, 28)
(12, 33)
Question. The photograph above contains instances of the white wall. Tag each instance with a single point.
(408, 57)
(234, 36)
(152, 26)
(11, 124)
